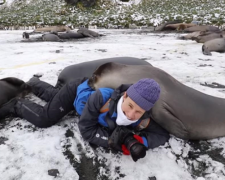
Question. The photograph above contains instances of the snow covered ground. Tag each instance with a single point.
(28, 153)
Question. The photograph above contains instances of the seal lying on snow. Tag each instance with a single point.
(51, 37)
(202, 28)
(207, 36)
(52, 29)
(180, 26)
(70, 35)
(86, 69)
(183, 111)
(163, 27)
(217, 45)
(10, 88)
(88, 33)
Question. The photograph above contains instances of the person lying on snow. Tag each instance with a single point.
(119, 119)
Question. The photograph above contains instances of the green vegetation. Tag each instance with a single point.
(106, 14)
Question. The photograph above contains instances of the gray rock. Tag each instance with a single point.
(53, 172)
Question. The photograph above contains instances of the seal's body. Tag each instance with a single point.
(202, 28)
(216, 45)
(163, 27)
(11, 87)
(183, 111)
(70, 35)
(179, 26)
(51, 37)
(52, 29)
(207, 36)
(86, 69)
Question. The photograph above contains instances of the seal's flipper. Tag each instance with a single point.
(13, 81)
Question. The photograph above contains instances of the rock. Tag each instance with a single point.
(2, 140)
(53, 172)
(69, 133)
(152, 178)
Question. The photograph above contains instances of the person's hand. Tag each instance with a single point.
(117, 137)
(136, 148)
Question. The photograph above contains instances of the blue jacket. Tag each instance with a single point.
(96, 127)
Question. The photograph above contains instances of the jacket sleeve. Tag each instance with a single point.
(88, 124)
(155, 135)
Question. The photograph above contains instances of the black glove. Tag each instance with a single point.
(117, 137)
(137, 149)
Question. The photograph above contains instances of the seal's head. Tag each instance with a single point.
(102, 74)
(140, 97)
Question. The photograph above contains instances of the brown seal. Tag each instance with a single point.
(88, 33)
(52, 29)
(180, 26)
(163, 27)
(51, 37)
(202, 28)
(86, 69)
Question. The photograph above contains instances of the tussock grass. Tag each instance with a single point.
(106, 14)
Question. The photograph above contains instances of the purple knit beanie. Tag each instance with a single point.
(144, 93)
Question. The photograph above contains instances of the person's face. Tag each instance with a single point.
(131, 110)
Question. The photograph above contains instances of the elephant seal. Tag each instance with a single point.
(181, 110)
(51, 37)
(163, 26)
(207, 36)
(190, 36)
(86, 69)
(217, 45)
(179, 26)
(52, 29)
(70, 35)
(12, 87)
(88, 33)
(202, 28)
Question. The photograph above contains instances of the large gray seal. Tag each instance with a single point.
(11, 87)
(163, 27)
(183, 111)
(88, 33)
(202, 28)
(70, 35)
(191, 36)
(87, 68)
(216, 45)
(207, 36)
(51, 37)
